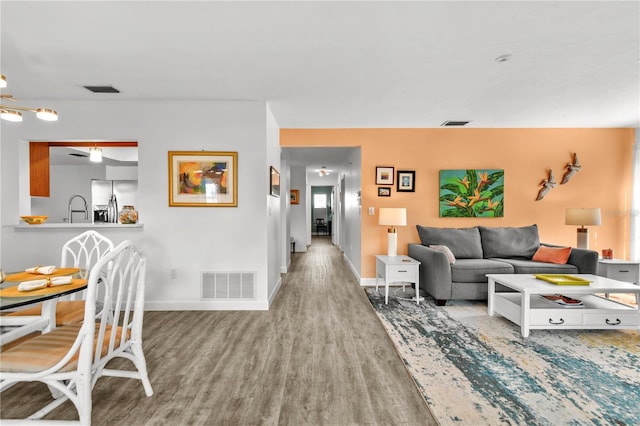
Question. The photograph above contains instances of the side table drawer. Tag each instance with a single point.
(403, 273)
(623, 273)
(622, 318)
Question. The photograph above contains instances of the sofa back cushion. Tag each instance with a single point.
(521, 242)
(464, 243)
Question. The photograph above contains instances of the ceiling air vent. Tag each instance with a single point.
(77, 154)
(102, 89)
(451, 123)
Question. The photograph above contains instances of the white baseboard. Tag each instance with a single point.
(353, 269)
(275, 291)
(199, 305)
(369, 282)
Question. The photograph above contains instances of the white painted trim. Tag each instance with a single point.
(275, 292)
(196, 305)
(369, 282)
(353, 269)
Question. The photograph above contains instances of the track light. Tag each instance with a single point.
(11, 113)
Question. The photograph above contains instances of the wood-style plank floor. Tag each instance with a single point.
(319, 356)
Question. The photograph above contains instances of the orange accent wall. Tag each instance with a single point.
(525, 155)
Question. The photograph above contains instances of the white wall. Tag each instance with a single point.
(353, 212)
(185, 239)
(274, 204)
(66, 182)
(298, 212)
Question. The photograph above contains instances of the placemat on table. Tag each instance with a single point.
(28, 276)
(14, 292)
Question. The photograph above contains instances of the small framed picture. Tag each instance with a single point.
(274, 182)
(384, 191)
(406, 181)
(295, 196)
(384, 175)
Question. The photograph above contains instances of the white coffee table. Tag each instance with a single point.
(528, 309)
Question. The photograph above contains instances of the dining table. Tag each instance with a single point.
(12, 299)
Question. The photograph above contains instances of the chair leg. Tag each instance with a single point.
(141, 365)
(83, 389)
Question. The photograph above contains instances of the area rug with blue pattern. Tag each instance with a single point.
(473, 369)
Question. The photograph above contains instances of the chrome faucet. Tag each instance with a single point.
(70, 211)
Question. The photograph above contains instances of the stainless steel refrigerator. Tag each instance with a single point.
(125, 192)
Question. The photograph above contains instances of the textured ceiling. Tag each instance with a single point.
(339, 64)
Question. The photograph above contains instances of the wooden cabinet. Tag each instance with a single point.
(39, 169)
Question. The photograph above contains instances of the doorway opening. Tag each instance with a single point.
(322, 210)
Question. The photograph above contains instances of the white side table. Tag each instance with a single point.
(398, 269)
(621, 270)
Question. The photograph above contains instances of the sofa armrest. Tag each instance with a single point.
(585, 260)
(435, 271)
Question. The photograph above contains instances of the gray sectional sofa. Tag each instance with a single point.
(482, 250)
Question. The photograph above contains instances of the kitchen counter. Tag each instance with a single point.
(24, 226)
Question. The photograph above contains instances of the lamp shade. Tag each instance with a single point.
(583, 217)
(392, 216)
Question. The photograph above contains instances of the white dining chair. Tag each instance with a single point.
(68, 358)
(81, 251)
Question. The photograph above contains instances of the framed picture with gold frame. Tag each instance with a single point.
(295, 196)
(203, 179)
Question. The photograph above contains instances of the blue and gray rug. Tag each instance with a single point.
(474, 369)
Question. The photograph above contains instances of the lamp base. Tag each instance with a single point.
(583, 238)
(392, 244)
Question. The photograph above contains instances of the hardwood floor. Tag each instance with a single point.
(318, 356)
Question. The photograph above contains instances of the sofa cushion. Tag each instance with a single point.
(522, 266)
(464, 243)
(475, 270)
(558, 255)
(505, 242)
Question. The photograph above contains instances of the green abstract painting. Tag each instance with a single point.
(472, 193)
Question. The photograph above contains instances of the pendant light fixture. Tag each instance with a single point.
(12, 113)
(95, 154)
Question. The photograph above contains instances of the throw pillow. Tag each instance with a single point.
(559, 255)
(464, 243)
(446, 251)
(504, 242)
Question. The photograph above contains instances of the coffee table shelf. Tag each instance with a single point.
(526, 308)
(597, 313)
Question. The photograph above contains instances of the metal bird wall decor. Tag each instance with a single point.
(572, 169)
(547, 185)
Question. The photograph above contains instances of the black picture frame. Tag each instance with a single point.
(406, 181)
(384, 191)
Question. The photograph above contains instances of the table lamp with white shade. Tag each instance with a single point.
(392, 217)
(583, 217)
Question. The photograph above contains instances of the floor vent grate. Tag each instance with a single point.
(228, 285)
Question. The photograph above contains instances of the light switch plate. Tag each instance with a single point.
(372, 211)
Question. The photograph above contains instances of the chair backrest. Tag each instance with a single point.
(84, 250)
(117, 283)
